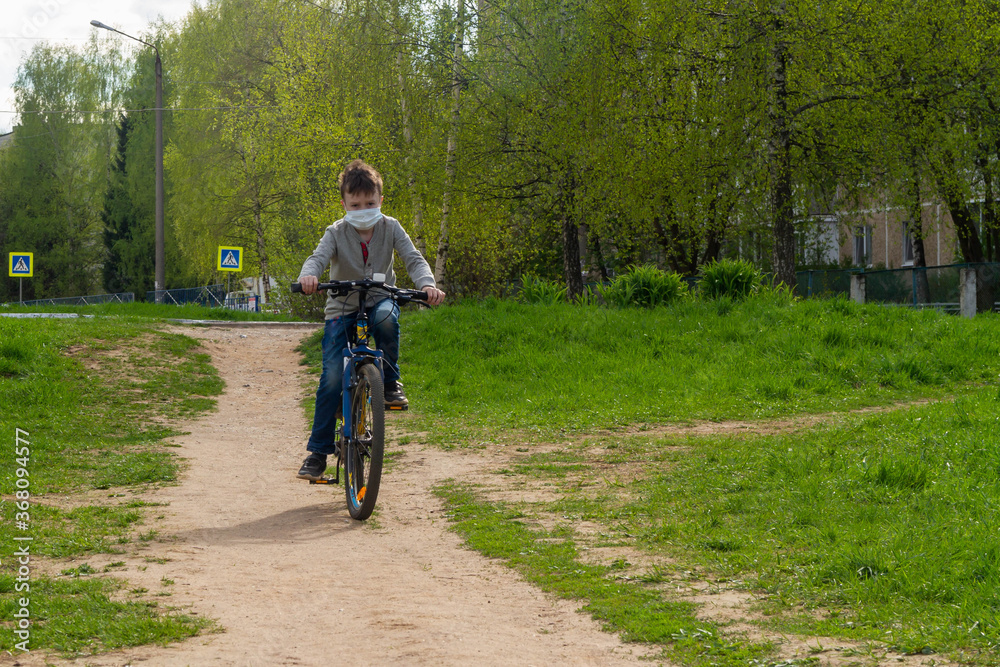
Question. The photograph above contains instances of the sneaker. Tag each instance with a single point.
(313, 467)
(394, 396)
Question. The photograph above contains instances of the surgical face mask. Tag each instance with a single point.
(363, 219)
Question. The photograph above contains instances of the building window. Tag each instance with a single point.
(863, 246)
(907, 245)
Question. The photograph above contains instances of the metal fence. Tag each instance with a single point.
(918, 287)
(209, 295)
(93, 300)
(824, 283)
(247, 302)
(212, 296)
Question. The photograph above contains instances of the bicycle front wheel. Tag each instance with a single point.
(366, 447)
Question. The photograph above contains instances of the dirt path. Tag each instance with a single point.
(292, 580)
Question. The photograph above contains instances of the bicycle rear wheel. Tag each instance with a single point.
(366, 447)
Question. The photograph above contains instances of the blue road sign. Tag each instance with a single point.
(230, 258)
(21, 265)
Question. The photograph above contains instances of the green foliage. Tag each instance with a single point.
(52, 173)
(539, 290)
(733, 278)
(128, 236)
(646, 287)
(278, 95)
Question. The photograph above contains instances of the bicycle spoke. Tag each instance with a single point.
(366, 443)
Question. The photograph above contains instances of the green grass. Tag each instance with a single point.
(886, 528)
(503, 365)
(311, 349)
(92, 394)
(96, 397)
(153, 311)
(76, 615)
(80, 531)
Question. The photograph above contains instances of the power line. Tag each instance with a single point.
(104, 111)
(45, 39)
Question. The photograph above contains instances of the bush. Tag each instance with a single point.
(645, 286)
(733, 278)
(310, 308)
(539, 290)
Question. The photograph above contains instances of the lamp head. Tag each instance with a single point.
(98, 24)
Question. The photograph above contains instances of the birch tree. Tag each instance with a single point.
(451, 158)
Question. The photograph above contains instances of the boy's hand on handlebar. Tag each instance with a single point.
(435, 297)
(309, 284)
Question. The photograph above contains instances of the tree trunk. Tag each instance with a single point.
(265, 278)
(993, 233)
(917, 232)
(965, 226)
(666, 243)
(668, 233)
(713, 247)
(402, 63)
(449, 165)
(986, 288)
(594, 241)
(989, 206)
(571, 256)
(779, 156)
(715, 232)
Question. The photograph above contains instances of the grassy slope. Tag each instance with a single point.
(152, 311)
(504, 364)
(881, 527)
(88, 392)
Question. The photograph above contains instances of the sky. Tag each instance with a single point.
(29, 22)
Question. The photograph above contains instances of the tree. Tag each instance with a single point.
(128, 237)
(56, 168)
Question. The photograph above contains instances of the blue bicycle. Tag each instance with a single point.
(361, 446)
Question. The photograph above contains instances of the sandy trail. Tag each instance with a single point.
(292, 580)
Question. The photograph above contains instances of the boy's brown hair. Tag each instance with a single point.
(359, 176)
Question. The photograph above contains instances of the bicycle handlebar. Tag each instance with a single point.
(344, 286)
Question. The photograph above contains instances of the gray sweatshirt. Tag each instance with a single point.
(340, 248)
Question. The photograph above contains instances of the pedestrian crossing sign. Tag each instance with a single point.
(21, 265)
(230, 258)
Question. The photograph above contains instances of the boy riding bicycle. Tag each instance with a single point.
(358, 246)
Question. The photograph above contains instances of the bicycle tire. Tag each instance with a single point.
(366, 446)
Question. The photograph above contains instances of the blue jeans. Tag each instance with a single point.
(383, 323)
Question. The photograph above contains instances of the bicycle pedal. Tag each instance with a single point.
(397, 407)
(325, 479)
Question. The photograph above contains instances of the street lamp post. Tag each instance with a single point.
(160, 261)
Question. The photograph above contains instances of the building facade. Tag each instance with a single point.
(883, 239)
